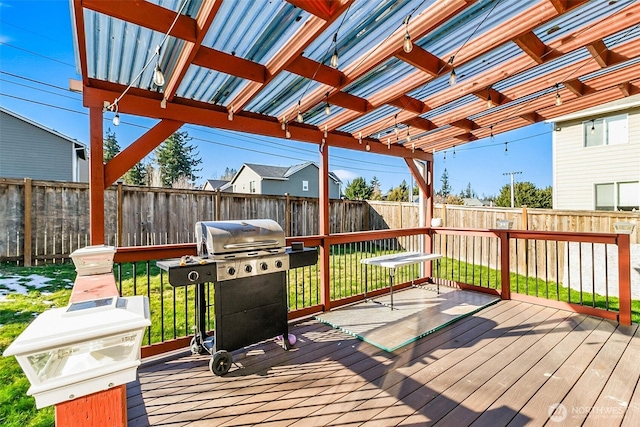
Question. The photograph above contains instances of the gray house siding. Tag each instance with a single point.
(293, 185)
(27, 151)
(242, 184)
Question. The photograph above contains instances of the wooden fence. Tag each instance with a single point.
(54, 216)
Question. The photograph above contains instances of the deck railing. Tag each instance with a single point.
(583, 272)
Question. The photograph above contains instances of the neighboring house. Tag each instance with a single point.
(473, 201)
(30, 150)
(596, 158)
(217, 184)
(299, 180)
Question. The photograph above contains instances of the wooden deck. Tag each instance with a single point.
(505, 365)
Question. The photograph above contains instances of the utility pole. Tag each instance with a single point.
(512, 195)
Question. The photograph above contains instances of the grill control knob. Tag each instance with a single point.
(231, 271)
(278, 264)
(193, 276)
(247, 268)
(263, 266)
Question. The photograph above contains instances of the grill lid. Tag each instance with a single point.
(222, 237)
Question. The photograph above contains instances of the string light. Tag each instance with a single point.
(368, 147)
(287, 134)
(334, 57)
(454, 151)
(284, 124)
(408, 134)
(452, 76)
(388, 143)
(506, 148)
(158, 77)
(489, 100)
(327, 107)
(593, 127)
(445, 156)
(407, 45)
(116, 118)
(491, 130)
(395, 126)
(360, 138)
(299, 118)
(325, 131)
(230, 117)
(558, 99)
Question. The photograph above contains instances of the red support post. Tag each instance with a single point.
(505, 272)
(325, 248)
(96, 177)
(624, 278)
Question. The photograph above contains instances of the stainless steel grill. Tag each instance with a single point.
(247, 262)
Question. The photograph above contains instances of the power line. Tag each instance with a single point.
(37, 54)
(512, 192)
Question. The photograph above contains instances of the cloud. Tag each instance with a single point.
(345, 175)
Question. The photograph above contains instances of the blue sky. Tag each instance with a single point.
(37, 60)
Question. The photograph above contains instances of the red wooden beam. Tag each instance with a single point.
(415, 172)
(127, 158)
(420, 123)
(350, 102)
(603, 56)
(317, 71)
(465, 124)
(532, 46)
(321, 8)
(96, 176)
(78, 15)
(230, 64)
(624, 277)
(406, 102)
(424, 60)
(205, 16)
(204, 114)
(147, 15)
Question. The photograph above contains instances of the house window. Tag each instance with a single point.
(305, 185)
(608, 131)
(620, 196)
(252, 187)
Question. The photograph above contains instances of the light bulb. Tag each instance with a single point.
(284, 125)
(300, 119)
(368, 148)
(397, 131)
(326, 130)
(407, 45)
(593, 128)
(408, 137)
(116, 119)
(506, 148)
(158, 77)
(334, 58)
(287, 134)
(489, 102)
(360, 138)
(452, 77)
(388, 143)
(558, 99)
(230, 117)
(327, 109)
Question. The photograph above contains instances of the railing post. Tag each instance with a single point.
(624, 278)
(119, 217)
(325, 248)
(505, 273)
(27, 222)
(218, 204)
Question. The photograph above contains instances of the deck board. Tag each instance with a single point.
(504, 364)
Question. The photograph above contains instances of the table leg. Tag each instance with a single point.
(366, 278)
(391, 274)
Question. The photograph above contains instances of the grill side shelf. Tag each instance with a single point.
(190, 274)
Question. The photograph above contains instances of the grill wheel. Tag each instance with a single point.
(220, 363)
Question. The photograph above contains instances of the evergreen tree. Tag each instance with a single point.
(446, 187)
(110, 145)
(399, 193)
(525, 193)
(137, 175)
(358, 190)
(376, 194)
(468, 192)
(176, 158)
(229, 173)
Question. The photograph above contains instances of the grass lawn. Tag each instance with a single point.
(18, 309)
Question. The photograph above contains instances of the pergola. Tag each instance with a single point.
(403, 78)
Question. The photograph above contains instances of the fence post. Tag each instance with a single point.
(28, 200)
(367, 214)
(287, 215)
(505, 273)
(218, 203)
(119, 217)
(624, 278)
(444, 214)
(525, 218)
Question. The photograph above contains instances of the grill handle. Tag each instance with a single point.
(245, 245)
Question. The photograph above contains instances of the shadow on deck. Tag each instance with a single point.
(505, 365)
